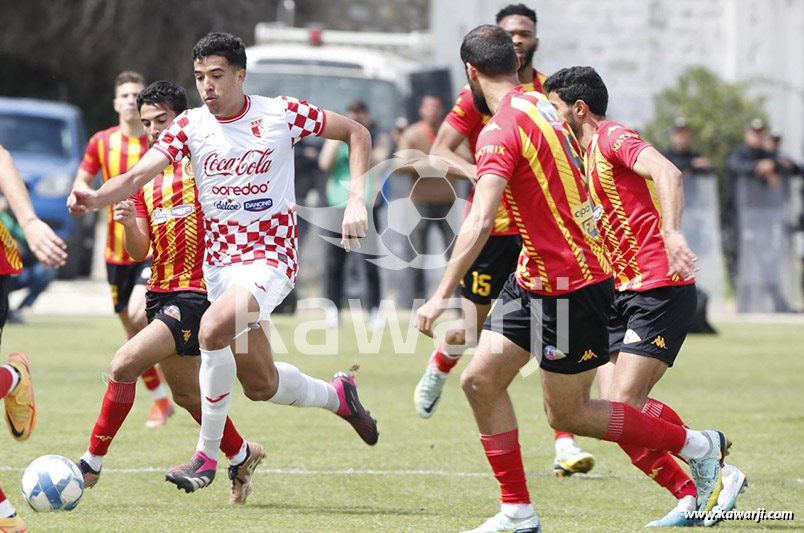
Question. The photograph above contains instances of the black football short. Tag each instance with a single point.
(488, 274)
(181, 311)
(653, 323)
(5, 289)
(123, 279)
(566, 333)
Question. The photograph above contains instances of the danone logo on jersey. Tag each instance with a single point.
(260, 204)
(250, 163)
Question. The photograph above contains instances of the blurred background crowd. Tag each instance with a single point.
(717, 85)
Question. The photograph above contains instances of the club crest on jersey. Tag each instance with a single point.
(257, 128)
(550, 114)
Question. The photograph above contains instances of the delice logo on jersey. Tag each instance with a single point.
(260, 204)
(227, 205)
(251, 163)
(161, 215)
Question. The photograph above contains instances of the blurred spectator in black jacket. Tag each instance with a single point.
(681, 155)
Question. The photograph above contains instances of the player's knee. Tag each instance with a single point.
(634, 399)
(561, 419)
(455, 337)
(213, 335)
(123, 368)
(261, 392)
(476, 386)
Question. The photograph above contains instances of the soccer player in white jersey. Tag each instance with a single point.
(242, 153)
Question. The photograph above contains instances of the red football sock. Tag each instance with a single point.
(6, 379)
(2, 496)
(505, 458)
(116, 404)
(231, 441)
(562, 435)
(657, 409)
(629, 426)
(443, 361)
(151, 378)
(663, 469)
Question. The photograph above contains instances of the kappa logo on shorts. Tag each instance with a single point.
(553, 353)
(631, 337)
(587, 355)
(172, 311)
(659, 341)
(187, 333)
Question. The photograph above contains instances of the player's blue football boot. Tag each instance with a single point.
(500, 523)
(674, 518)
(734, 484)
(706, 471)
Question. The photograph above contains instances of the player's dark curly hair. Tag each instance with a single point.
(490, 50)
(165, 94)
(221, 44)
(580, 83)
(516, 9)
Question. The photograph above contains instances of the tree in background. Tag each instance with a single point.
(716, 113)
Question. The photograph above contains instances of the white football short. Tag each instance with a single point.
(267, 284)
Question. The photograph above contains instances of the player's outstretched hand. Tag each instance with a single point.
(427, 314)
(45, 244)
(82, 202)
(124, 213)
(682, 260)
(355, 223)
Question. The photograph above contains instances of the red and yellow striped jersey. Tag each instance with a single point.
(10, 262)
(468, 121)
(528, 143)
(631, 221)
(113, 153)
(170, 203)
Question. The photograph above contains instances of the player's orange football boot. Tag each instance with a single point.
(161, 410)
(12, 524)
(20, 404)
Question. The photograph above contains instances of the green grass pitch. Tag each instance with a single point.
(424, 475)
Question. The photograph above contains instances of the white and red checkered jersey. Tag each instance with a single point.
(245, 173)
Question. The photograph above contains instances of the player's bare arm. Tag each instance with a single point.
(43, 242)
(119, 188)
(446, 145)
(137, 238)
(83, 180)
(358, 139)
(474, 233)
(651, 164)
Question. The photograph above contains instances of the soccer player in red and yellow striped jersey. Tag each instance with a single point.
(639, 199)
(486, 277)
(16, 387)
(112, 152)
(165, 216)
(556, 306)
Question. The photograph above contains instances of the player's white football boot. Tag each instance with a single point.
(500, 523)
(428, 391)
(570, 459)
(706, 471)
(734, 484)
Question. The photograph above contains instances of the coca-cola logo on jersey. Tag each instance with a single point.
(250, 163)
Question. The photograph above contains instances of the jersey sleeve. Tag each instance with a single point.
(173, 141)
(91, 161)
(622, 146)
(464, 116)
(303, 118)
(140, 208)
(498, 149)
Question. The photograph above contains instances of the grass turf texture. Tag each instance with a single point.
(424, 475)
